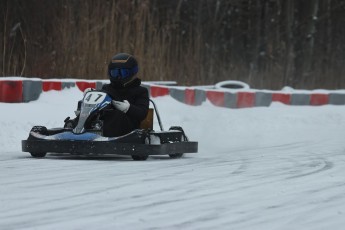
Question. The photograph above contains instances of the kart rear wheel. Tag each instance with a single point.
(139, 158)
(183, 139)
(38, 154)
(176, 155)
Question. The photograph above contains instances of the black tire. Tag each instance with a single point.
(41, 130)
(38, 154)
(139, 158)
(176, 155)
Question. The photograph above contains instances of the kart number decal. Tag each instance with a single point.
(94, 97)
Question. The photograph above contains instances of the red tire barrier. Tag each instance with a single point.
(190, 97)
(82, 85)
(281, 97)
(157, 91)
(11, 91)
(51, 85)
(216, 98)
(245, 99)
(319, 99)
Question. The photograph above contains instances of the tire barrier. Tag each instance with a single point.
(282, 98)
(31, 90)
(17, 90)
(158, 91)
(225, 85)
(11, 91)
(319, 99)
(336, 99)
(51, 85)
(82, 85)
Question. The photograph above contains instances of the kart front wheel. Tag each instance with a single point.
(38, 154)
(139, 158)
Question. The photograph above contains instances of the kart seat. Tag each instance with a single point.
(147, 123)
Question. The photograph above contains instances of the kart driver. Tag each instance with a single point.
(130, 101)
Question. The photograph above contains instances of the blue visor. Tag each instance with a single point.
(123, 73)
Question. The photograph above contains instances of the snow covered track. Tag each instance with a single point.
(265, 188)
(281, 168)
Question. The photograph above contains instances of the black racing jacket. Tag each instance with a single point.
(136, 95)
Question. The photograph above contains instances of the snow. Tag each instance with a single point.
(280, 167)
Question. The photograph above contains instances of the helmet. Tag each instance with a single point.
(122, 68)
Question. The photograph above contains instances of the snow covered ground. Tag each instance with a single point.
(281, 167)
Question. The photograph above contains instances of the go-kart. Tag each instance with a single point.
(84, 136)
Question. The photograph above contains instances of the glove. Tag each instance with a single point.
(88, 90)
(122, 106)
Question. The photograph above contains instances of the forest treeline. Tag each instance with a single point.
(265, 43)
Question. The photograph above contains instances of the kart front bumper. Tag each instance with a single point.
(84, 147)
